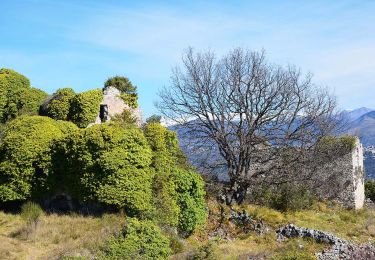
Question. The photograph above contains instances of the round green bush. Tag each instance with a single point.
(25, 155)
(138, 240)
(31, 100)
(85, 107)
(107, 164)
(16, 95)
(58, 105)
(190, 199)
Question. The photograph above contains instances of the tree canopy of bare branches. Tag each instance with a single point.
(245, 105)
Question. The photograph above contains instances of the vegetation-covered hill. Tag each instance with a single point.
(54, 161)
(71, 190)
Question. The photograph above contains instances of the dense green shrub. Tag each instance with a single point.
(178, 193)
(370, 189)
(31, 100)
(339, 145)
(164, 188)
(16, 95)
(125, 119)
(58, 106)
(162, 144)
(190, 199)
(25, 155)
(85, 107)
(285, 197)
(128, 90)
(131, 99)
(138, 240)
(154, 119)
(108, 164)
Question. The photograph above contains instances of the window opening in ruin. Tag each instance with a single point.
(103, 113)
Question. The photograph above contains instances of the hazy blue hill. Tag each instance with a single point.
(352, 115)
(364, 128)
(359, 122)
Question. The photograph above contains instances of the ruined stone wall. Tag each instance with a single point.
(116, 105)
(342, 180)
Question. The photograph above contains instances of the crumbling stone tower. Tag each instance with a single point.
(113, 104)
(342, 180)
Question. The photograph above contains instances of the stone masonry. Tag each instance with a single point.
(342, 180)
(113, 104)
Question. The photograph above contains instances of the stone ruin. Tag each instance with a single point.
(342, 180)
(338, 178)
(112, 105)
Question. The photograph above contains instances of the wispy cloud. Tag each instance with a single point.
(92, 39)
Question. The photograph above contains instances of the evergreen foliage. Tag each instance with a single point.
(285, 197)
(154, 119)
(125, 119)
(59, 105)
(25, 152)
(107, 164)
(16, 95)
(178, 193)
(116, 164)
(342, 145)
(31, 100)
(85, 106)
(138, 240)
(158, 137)
(190, 199)
(128, 90)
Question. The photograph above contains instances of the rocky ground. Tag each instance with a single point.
(340, 249)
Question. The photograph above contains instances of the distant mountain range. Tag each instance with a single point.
(361, 122)
(353, 114)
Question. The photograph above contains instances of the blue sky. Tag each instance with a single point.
(81, 43)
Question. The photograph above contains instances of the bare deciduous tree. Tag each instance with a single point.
(245, 106)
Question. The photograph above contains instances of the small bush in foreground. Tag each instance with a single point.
(294, 255)
(208, 251)
(31, 213)
(138, 240)
(286, 197)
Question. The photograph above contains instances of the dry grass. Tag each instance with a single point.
(358, 226)
(56, 236)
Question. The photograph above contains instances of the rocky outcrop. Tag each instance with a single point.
(340, 248)
(247, 222)
(290, 231)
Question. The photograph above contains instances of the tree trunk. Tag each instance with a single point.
(236, 193)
